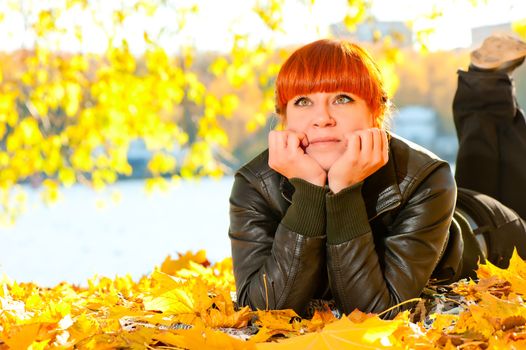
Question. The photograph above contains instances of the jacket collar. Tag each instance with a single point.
(380, 191)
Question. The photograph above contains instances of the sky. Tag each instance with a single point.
(211, 29)
(453, 29)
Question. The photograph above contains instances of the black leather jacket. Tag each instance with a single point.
(408, 210)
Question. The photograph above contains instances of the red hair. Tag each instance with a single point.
(330, 66)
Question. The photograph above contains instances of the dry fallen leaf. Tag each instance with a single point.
(188, 304)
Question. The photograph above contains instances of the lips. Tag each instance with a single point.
(323, 140)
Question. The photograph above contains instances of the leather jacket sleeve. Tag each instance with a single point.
(274, 266)
(374, 274)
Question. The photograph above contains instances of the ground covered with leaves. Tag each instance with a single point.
(188, 303)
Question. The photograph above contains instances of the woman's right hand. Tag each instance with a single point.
(287, 156)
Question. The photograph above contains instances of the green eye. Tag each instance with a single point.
(302, 101)
(342, 99)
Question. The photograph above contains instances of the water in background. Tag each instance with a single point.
(75, 239)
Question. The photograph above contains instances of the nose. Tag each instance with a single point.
(323, 118)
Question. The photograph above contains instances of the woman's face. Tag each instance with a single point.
(325, 117)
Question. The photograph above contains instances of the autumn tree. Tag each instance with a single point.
(71, 105)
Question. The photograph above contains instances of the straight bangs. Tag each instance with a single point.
(330, 66)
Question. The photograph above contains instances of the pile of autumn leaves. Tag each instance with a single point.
(187, 303)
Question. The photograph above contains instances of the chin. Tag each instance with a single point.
(325, 160)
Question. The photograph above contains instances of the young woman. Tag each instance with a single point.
(337, 208)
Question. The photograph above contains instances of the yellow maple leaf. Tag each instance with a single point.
(263, 335)
(169, 338)
(173, 301)
(515, 274)
(373, 333)
(278, 319)
(489, 315)
(177, 296)
(171, 266)
(205, 338)
(84, 326)
(215, 318)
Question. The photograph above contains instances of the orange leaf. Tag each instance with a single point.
(358, 317)
(215, 318)
(320, 319)
(21, 337)
(278, 319)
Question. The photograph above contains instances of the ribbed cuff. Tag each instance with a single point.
(346, 215)
(306, 215)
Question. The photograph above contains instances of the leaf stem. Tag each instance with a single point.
(266, 291)
(397, 305)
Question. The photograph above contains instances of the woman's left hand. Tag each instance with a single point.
(366, 152)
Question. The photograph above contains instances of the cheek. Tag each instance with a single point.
(354, 119)
(295, 122)
(354, 124)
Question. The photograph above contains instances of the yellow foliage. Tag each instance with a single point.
(94, 103)
(161, 163)
(519, 27)
(229, 103)
(357, 11)
(45, 23)
(50, 194)
(191, 307)
(218, 66)
(67, 176)
(479, 319)
(271, 13)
